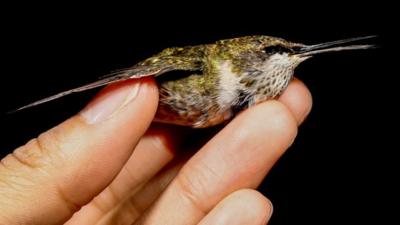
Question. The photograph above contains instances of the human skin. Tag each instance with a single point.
(110, 165)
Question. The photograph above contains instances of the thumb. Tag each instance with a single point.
(52, 176)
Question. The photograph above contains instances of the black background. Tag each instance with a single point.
(341, 166)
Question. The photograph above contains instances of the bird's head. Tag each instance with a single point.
(277, 50)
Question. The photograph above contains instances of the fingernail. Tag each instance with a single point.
(110, 101)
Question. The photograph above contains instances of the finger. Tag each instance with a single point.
(67, 166)
(238, 157)
(127, 211)
(245, 206)
(155, 149)
(298, 99)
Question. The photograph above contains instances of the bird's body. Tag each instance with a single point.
(223, 78)
(204, 85)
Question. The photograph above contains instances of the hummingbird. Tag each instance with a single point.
(205, 85)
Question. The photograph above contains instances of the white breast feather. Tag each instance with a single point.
(228, 84)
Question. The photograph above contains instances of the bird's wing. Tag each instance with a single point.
(153, 66)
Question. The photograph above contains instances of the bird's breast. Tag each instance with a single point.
(228, 85)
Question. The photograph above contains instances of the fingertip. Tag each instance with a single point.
(245, 206)
(281, 117)
(298, 99)
(150, 89)
(255, 202)
(270, 116)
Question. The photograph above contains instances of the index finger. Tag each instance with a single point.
(238, 157)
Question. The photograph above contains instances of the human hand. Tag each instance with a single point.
(108, 165)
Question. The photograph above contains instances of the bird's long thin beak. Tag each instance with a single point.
(333, 46)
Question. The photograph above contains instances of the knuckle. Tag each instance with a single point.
(194, 182)
(50, 144)
(37, 153)
(29, 155)
(70, 204)
(50, 141)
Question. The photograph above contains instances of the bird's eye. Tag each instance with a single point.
(272, 49)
